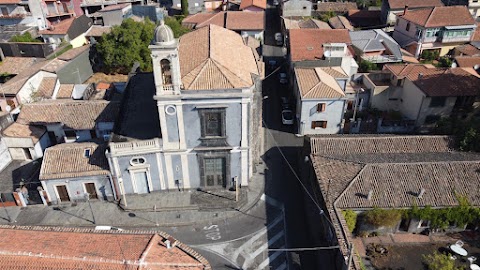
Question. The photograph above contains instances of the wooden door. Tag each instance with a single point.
(92, 191)
(63, 194)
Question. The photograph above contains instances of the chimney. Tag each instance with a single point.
(420, 76)
(370, 194)
(169, 245)
(405, 9)
(420, 194)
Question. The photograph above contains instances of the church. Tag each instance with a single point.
(195, 122)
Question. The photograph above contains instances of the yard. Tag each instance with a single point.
(407, 256)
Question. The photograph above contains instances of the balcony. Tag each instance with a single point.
(381, 58)
(445, 39)
(60, 13)
(135, 146)
(14, 16)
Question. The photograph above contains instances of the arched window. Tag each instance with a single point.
(166, 72)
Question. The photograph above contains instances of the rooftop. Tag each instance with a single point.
(17, 130)
(98, 31)
(468, 50)
(447, 82)
(47, 87)
(305, 23)
(375, 40)
(206, 60)
(60, 28)
(15, 65)
(73, 53)
(340, 22)
(115, 7)
(468, 61)
(233, 20)
(307, 44)
(440, 16)
(68, 160)
(336, 6)
(318, 83)
(78, 115)
(55, 248)
(400, 4)
(65, 91)
(253, 3)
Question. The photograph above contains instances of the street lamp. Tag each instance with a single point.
(87, 197)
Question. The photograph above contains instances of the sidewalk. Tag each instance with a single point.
(109, 213)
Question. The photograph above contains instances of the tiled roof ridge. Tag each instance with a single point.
(221, 68)
(430, 15)
(202, 24)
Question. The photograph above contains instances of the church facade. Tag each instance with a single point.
(195, 122)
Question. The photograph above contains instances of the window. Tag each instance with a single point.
(215, 171)
(213, 122)
(87, 153)
(4, 11)
(319, 124)
(137, 161)
(321, 107)
(431, 119)
(437, 101)
(166, 72)
(70, 134)
(418, 33)
(407, 27)
(399, 82)
(93, 134)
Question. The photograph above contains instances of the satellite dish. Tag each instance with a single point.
(8, 108)
(327, 53)
(476, 67)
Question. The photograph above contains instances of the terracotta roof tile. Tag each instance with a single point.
(54, 65)
(79, 115)
(316, 83)
(57, 248)
(336, 6)
(468, 50)
(400, 4)
(14, 85)
(9, 2)
(15, 65)
(73, 53)
(305, 23)
(198, 18)
(17, 130)
(98, 31)
(438, 81)
(65, 91)
(68, 160)
(440, 16)
(476, 35)
(60, 28)
(206, 62)
(340, 22)
(307, 44)
(468, 61)
(239, 20)
(253, 3)
(47, 86)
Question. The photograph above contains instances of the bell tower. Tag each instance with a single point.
(166, 65)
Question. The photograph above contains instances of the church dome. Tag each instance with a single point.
(164, 35)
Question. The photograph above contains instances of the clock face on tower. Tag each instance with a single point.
(170, 110)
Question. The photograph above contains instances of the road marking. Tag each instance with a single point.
(212, 232)
(271, 258)
(252, 256)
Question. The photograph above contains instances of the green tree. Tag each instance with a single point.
(350, 218)
(327, 15)
(176, 26)
(184, 4)
(444, 62)
(439, 261)
(125, 45)
(366, 66)
(26, 37)
(382, 217)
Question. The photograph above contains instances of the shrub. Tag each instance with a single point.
(439, 261)
(382, 217)
(430, 55)
(351, 219)
(366, 66)
(26, 37)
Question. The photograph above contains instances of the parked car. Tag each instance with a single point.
(279, 39)
(283, 77)
(287, 117)
(285, 103)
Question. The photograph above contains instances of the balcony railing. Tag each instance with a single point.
(381, 58)
(122, 147)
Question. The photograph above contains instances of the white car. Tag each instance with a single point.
(279, 39)
(283, 78)
(287, 117)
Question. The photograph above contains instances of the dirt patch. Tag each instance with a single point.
(109, 78)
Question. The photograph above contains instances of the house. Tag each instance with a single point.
(375, 46)
(296, 8)
(288, 24)
(25, 142)
(181, 139)
(194, 6)
(71, 30)
(422, 93)
(321, 99)
(70, 248)
(12, 12)
(467, 62)
(466, 50)
(360, 173)
(71, 121)
(326, 47)
(253, 5)
(245, 23)
(437, 29)
(392, 8)
(340, 22)
(70, 170)
(90, 7)
(115, 14)
(213, 5)
(474, 7)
